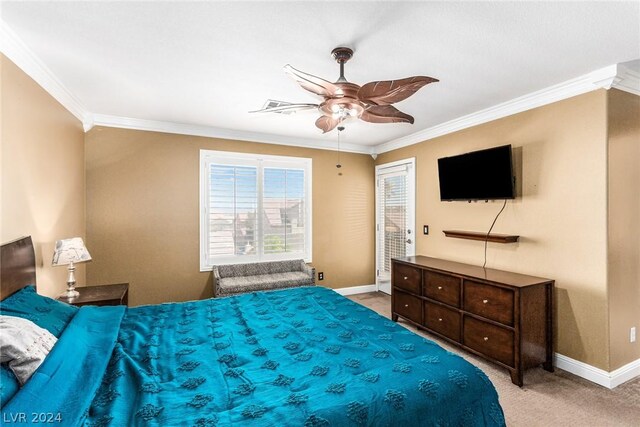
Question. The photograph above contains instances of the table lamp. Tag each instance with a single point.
(70, 252)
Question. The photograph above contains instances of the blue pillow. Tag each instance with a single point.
(8, 385)
(45, 312)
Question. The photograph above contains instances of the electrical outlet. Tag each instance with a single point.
(425, 229)
(632, 334)
(321, 276)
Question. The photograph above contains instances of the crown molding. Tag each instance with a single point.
(629, 80)
(603, 78)
(618, 76)
(19, 53)
(216, 132)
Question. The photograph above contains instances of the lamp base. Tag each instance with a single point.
(70, 293)
(71, 283)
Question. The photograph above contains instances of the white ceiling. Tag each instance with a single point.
(209, 63)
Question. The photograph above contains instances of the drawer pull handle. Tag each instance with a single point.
(440, 288)
(405, 277)
(486, 338)
(406, 305)
(439, 319)
(484, 301)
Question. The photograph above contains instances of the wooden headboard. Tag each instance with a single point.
(17, 266)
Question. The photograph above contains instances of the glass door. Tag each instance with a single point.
(395, 217)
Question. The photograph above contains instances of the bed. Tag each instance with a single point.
(296, 357)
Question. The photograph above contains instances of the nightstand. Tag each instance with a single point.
(117, 294)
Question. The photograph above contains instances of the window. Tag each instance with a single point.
(253, 208)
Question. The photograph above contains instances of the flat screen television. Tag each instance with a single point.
(479, 175)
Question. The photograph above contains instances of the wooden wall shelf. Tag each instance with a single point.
(473, 235)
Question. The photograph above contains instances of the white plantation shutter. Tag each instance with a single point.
(254, 208)
(392, 217)
(233, 208)
(283, 204)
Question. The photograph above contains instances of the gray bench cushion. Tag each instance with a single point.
(259, 268)
(232, 285)
(233, 279)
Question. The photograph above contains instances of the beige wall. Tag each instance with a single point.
(43, 188)
(624, 225)
(576, 212)
(560, 212)
(142, 212)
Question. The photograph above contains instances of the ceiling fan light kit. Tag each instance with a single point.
(343, 100)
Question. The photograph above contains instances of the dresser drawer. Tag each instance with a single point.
(489, 301)
(442, 287)
(408, 278)
(442, 320)
(407, 306)
(491, 340)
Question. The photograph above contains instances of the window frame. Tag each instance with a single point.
(260, 161)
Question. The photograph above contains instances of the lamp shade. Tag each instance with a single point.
(69, 251)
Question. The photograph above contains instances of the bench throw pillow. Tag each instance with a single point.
(23, 346)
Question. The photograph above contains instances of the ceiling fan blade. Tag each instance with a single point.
(311, 83)
(287, 108)
(392, 91)
(326, 123)
(385, 114)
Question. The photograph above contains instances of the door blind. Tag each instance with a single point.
(392, 217)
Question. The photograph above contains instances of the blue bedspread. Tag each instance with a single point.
(296, 357)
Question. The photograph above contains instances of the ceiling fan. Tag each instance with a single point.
(343, 100)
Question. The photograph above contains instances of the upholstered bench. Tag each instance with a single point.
(232, 279)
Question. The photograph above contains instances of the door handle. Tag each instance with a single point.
(409, 241)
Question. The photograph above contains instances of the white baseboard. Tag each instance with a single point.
(356, 290)
(625, 373)
(599, 376)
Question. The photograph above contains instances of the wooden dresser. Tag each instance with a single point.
(504, 317)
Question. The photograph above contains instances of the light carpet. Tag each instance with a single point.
(546, 399)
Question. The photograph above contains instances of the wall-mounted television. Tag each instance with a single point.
(479, 175)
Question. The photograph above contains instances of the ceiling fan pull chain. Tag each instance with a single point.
(340, 129)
